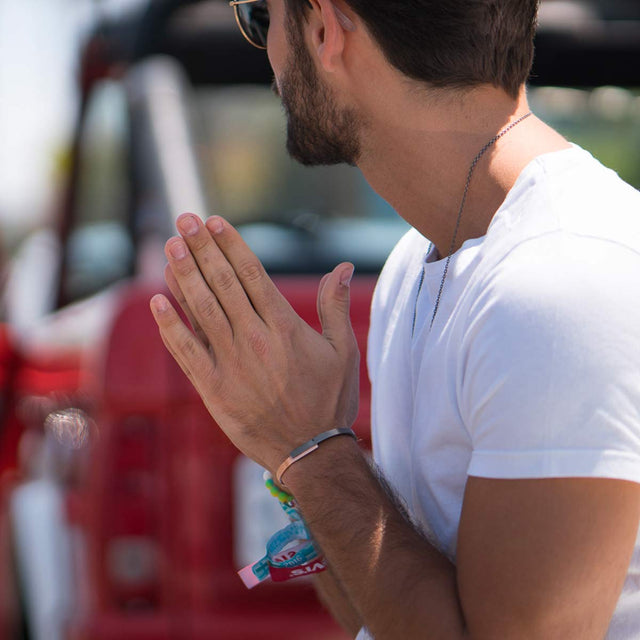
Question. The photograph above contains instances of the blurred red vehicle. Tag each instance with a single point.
(129, 509)
(133, 511)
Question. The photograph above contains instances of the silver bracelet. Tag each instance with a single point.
(309, 447)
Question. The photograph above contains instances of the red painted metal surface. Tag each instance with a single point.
(160, 475)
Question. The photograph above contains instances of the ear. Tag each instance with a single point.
(330, 27)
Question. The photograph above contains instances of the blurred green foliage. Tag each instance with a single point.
(605, 121)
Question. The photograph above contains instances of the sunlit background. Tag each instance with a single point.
(39, 40)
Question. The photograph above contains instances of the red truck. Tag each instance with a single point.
(131, 512)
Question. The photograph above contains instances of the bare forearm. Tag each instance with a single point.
(334, 597)
(401, 586)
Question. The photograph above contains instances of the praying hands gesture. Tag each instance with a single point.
(268, 379)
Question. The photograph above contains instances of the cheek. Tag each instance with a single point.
(277, 45)
(275, 52)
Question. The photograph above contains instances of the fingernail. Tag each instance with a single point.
(215, 225)
(345, 276)
(159, 303)
(188, 225)
(178, 250)
(344, 21)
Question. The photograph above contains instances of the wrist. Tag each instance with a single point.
(324, 465)
(309, 447)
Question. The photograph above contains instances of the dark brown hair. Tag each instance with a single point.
(451, 43)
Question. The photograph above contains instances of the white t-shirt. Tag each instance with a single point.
(532, 367)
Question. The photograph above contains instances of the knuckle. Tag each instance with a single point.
(352, 352)
(206, 307)
(215, 381)
(251, 271)
(282, 323)
(210, 381)
(341, 302)
(184, 268)
(258, 342)
(187, 347)
(198, 366)
(225, 279)
(171, 325)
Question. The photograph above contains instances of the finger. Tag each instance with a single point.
(193, 358)
(333, 301)
(176, 292)
(323, 281)
(199, 298)
(260, 289)
(218, 273)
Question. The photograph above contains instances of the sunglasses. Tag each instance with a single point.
(252, 17)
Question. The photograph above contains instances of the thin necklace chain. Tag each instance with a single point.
(472, 167)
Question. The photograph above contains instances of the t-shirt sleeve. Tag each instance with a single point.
(550, 382)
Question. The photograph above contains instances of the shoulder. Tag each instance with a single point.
(566, 190)
(586, 197)
(560, 298)
(568, 240)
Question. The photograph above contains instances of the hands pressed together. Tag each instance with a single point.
(268, 379)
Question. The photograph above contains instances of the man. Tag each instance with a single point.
(503, 351)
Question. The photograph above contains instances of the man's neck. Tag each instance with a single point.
(418, 159)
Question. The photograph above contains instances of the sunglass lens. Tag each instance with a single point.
(254, 20)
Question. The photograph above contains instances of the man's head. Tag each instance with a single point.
(452, 44)
(319, 131)
(449, 43)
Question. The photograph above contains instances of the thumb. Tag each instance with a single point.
(333, 306)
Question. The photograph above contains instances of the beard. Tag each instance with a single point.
(319, 132)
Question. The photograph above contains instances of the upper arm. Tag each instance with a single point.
(544, 558)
